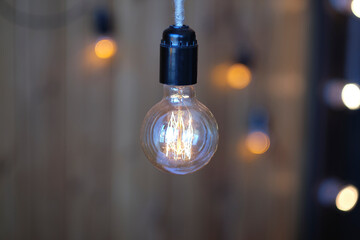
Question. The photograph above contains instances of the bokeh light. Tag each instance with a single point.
(347, 198)
(355, 8)
(238, 76)
(257, 142)
(105, 48)
(350, 96)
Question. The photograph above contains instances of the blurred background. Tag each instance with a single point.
(281, 77)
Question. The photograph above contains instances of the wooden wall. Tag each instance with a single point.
(71, 166)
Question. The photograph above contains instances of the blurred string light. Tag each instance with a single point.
(333, 192)
(347, 198)
(338, 95)
(236, 75)
(105, 46)
(239, 74)
(350, 96)
(355, 8)
(257, 141)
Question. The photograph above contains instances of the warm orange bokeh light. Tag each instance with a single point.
(105, 48)
(238, 76)
(257, 142)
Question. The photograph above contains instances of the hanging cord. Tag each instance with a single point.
(179, 12)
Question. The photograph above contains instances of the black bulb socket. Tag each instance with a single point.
(178, 56)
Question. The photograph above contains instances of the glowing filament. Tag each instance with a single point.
(179, 137)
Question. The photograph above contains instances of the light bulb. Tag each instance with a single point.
(179, 134)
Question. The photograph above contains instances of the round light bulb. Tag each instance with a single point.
(179, 134)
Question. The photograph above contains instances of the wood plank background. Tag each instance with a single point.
(71, 166)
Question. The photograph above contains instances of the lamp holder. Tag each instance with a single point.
(178, 56)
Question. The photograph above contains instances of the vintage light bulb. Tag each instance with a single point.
(179, 134)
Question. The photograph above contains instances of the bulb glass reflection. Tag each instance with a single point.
(179, 134)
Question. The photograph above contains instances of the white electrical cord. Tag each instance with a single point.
(179, 12)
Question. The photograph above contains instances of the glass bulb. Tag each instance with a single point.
(179, 134)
